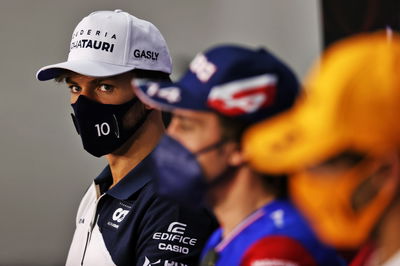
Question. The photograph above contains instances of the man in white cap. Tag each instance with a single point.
(120, 220)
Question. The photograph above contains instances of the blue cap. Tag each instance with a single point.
(231, 80)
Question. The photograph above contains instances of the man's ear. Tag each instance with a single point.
(236, 157)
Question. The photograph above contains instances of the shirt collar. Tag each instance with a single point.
(137, 178)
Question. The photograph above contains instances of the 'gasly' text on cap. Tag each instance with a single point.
(145, 54)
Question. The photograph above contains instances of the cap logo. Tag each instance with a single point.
(169, 94)
(145, 54)
(91, 32)
(107, 43)
(90, 43)
(98, 45)
(202, 68)
(243, 96)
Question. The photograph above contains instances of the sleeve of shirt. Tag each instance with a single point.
(172, 235)
(277, 251)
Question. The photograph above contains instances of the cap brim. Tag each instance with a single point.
(168, 96)
(291, 142)
(83, 67)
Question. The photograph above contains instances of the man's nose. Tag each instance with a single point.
(87, 92)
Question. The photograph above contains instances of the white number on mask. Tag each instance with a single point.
(103, 129)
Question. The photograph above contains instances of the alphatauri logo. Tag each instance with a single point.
(119, 215)
(93, 39)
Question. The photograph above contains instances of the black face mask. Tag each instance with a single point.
(101, 125)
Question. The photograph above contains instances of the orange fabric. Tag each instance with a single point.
(351, 100)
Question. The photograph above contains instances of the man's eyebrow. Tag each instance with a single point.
(94, 81)
(69, 80)
(189, 119)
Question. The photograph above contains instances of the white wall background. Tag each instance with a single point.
(44, 170)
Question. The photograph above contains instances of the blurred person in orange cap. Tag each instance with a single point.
(340, 144)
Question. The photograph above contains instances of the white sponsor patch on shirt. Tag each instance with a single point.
(174, 263)
(119, 215)
(278, 218)
(147, 262)
(175, 239)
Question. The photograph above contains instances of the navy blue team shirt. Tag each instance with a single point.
(130, 225)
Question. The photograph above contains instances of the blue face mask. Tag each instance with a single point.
(178, 174)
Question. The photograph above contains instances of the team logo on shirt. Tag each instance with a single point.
(278, 218)
(175, 239)
(178, 228)
(147, 262)
(119, 215)
(173, 263)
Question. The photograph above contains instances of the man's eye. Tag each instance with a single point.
(74, 89)
(186, 126)
(106, 88)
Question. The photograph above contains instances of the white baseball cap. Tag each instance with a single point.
(108, 43)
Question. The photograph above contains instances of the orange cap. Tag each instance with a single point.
(352, 100)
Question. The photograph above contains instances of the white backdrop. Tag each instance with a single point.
(44, 170)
